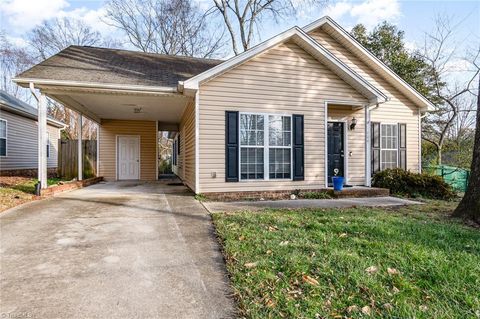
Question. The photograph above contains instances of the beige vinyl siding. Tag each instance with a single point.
(110, 129)
(22, 143)
(355, 141)
(187, 148)
(399, 109)
(283, 80)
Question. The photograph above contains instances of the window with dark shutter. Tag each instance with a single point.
(402, 145)
(231, 146)
(298, 148)
(375, 135)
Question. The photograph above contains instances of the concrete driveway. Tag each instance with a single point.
(113, 250)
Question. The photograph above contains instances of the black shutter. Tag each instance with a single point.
(231, 146)
(178, 144)
(298, 148)
(375, 134)
(402, 146)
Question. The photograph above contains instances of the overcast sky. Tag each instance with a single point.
(18, 17)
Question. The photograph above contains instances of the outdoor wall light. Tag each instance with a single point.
(353, 123)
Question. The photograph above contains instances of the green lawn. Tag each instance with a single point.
(412, 262)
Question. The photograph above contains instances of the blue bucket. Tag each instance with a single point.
(337, 183)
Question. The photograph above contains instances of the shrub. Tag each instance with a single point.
(410, 184)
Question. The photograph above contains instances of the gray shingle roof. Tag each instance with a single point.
(9, 100)
(10, 103)
(113, 66)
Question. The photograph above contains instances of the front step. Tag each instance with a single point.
(356, 192)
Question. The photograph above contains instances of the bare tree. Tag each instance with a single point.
(440, 52)
(469, 207)
(175, 27)
(57, 34)
(242, 18)
(50, 38)
(13, 60)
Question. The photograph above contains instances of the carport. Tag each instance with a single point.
(130, 95)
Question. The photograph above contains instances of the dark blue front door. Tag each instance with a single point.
(335, 133)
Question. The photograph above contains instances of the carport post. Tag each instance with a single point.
(80, 148)
(42, 136)
(42, 140)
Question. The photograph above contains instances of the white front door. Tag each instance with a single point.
(128, 157)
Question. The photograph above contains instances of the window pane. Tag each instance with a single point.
(251, 129)
(279, 130)
(251, 160)
(3, 129)
(3, 147)
(279, 162)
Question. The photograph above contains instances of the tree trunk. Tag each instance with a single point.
(439, 155)
(469, 207)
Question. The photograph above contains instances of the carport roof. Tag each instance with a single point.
(112, 66)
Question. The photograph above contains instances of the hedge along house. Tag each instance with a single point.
(280, 116)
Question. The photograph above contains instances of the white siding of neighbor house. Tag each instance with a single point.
(399, 109)
(22, 143)
(282, 80)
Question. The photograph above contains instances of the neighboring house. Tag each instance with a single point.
(280, 116)
(19, 138)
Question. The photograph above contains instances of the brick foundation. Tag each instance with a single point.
(285, 194)
(29, 172)
(52, 190)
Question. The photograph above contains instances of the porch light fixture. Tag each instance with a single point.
(353, 123)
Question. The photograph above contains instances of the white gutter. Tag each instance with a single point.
(96, 85)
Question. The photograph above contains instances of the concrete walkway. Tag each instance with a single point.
(112, 250)
(217, 207)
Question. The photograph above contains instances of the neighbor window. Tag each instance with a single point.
(389, 146)
(265, 146)
(3, 138)
(48, 144)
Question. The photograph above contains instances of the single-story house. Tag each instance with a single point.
(19, 138)
(282, 115)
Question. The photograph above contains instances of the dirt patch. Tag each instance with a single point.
(7, 181)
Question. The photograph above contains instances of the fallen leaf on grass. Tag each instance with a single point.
(366, 310)
(371, 269)
(270, 303)
(395, 290)
(353, 308)
(423, 308)
(251, 265)
(310, 280)
(342, 235)
(392, 271)
(388, 306)
(272, 228)
(269, 252)
(284, 243)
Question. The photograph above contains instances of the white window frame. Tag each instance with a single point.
(389, 149)
(266, 146)
(6, 137)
